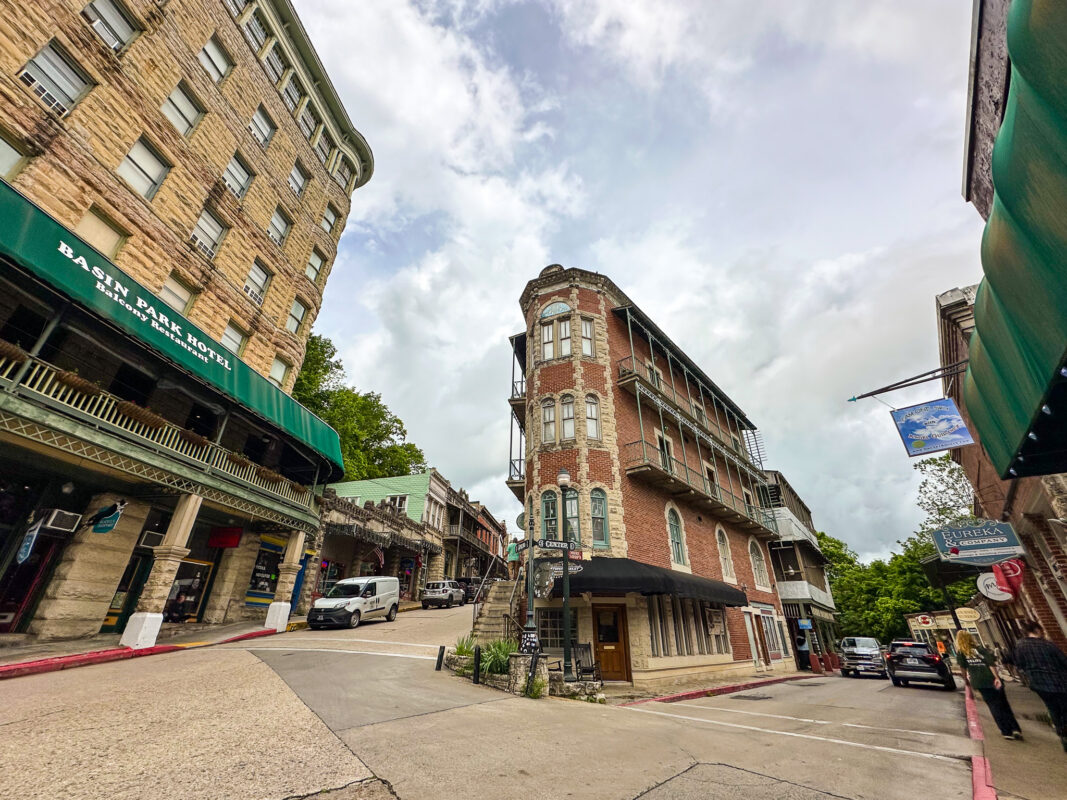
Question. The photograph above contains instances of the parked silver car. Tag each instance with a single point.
(443, 593)
(861, 654)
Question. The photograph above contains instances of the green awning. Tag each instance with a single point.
(1015, 391)
(39, 244)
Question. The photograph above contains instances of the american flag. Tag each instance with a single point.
(381, 556)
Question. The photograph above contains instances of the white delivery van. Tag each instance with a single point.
(352, 600)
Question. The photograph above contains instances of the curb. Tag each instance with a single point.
(115, 654)
(981, 773)
(729, 688)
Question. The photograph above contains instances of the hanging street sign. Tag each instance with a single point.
(982, 542)
(931, 427)
(107, 524)
(987, 585)
(558, 544)
(523, 545)
(28, 541)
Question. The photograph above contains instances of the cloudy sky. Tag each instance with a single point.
(777, 182)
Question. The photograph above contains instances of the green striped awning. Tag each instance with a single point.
(1015, 389)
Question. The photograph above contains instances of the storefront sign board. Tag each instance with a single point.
(804, 624)
(107, 524)
(982, 542)
(987, 585)
(931, 427)
(28, 541)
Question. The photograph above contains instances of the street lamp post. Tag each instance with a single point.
(564, 480)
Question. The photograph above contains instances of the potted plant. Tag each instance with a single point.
(269, 475)
(146, 417)
(239, 459)
(194, 438)
(299, 488)
(12, 352)
(73, 380)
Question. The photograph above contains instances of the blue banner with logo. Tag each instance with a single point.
(930, 427)
(982, 542)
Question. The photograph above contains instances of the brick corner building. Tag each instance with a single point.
(667, 495)
(174, 179)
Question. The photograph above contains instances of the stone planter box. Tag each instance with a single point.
(590, 691)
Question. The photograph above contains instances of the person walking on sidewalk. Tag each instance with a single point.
(1045, 666)
(979, 670)
(513, 559)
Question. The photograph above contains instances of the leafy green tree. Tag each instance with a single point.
(373, 439)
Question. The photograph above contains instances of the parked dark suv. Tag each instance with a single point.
(918, 661)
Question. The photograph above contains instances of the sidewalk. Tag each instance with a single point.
(623, 694)
(1033, 769)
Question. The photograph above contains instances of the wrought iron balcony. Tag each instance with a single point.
(517, 400)
(517, 478)
(39, 384)
(645, 461)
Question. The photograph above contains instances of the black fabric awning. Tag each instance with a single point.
(615, 576)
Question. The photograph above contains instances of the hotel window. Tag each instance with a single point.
(655, 377)
(296, 317)
(275, 63)
(279, 227)
(292, 94)
(207, 233)
(10, 159)
(176, 294)
(549, 522)
(314, 266)
(309, 121)
(215, 60)
(238, 176)
(711, 480)
(598, 502)
(716, 626)
(255, 31)
(298, 179)
(674, 529)
(698, 412)
(592, 417)
(236, 6)
(726, 560)
(666, 452)
(143, 168)
(101, 233)
(571, 525)
(759, 565)
(748, 499)
(587, 337)
(566, 415)
(329, 219)
(262, 126)
(399, 502)
(770, 633)
(111, 22)
(548, 344)
(256, 282)
(234, 339)
(564, 338)
(279, 371)
(550, 628)
(323, 148)
(182, 109)
(342, 173)
(54, 78)
(548, 421)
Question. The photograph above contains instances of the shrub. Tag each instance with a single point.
(495, 656)
(465, 646)
(536, 689)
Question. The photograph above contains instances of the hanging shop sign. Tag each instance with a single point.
(987, 585)
(224, 537)
(1009, 575)
(982, 542)
(967, 615)
(50, 251)
(924, 621)
(108, 523)
(28, 541)
(804, 624)
(931, 427)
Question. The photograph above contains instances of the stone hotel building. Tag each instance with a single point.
(625, 445)
(175, 178)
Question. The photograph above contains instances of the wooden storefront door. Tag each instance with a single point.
(612, 646)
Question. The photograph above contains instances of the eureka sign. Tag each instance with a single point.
(979, 541)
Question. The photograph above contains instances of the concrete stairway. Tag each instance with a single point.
(490, 622)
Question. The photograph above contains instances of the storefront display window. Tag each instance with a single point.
(265, 572)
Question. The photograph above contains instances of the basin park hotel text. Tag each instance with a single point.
(175, 179)
(621, 442)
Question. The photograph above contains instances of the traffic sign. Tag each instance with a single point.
(558, 544)
(523, 545)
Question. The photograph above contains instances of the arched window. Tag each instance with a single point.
(598, 499)
(549, 518)
(548, 421)
(571, 526)
(759, 564)
(592, 417)
(725, 559)
(566, 416)
(674, 528)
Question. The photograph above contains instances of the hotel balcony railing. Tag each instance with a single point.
(667, 471)
(517, 470)
(39, 382)
(681, 401)
(518, 389)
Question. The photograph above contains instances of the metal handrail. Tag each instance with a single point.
(518, 388)
(493, 558)
(40, 380)
(517, 469)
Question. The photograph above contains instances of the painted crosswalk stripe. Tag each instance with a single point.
(806, 719)
(844, 742)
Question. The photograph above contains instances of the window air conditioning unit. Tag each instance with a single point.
(151, 539)
(55, 519)
(202, 247)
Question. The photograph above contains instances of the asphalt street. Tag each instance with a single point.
(289, 715)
